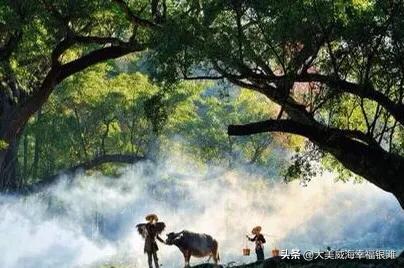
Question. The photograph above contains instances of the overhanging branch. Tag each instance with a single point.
(73, 39)
(284, 125)
(290, 126)
(95, 57)
(368, 160)
(57, 74)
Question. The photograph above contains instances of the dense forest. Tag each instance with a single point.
(105, 117)
(212, 114)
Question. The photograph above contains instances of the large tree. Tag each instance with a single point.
(44, 42)
(335, 68)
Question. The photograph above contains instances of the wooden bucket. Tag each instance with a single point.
(275, 252)
(246, 252)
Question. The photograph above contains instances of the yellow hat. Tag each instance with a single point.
(256, 230)
(152, 217)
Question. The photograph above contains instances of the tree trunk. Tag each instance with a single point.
(9, 177)
(8, 168)
(37, 148)
(381, 168)
(25, 157)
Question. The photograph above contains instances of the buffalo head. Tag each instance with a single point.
(172, 238)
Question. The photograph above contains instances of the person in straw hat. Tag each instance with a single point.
(150, 231)
(259, 241)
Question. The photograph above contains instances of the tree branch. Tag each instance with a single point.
(283, 125)
(136, 20)
(72, 39)
(395, 109)
(293, 127)
(7, 49)
(382, 168)
(56, 75)
(202, 77)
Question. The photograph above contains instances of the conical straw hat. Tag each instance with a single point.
(152, 217)
(256, 230)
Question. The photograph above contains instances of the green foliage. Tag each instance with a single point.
(343, 174)
(3, 144)
(201, 123)
(38, 27)
(104, 111)
(107, 110)
(91, 114)
(305, 164)
(251, 39)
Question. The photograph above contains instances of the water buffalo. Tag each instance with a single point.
(193, 244)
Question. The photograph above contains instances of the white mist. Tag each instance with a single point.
(89, 220)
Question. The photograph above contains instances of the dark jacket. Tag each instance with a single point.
(150, 245)
(259, 240)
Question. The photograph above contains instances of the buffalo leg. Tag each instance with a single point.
(187, 257)
(215, 252)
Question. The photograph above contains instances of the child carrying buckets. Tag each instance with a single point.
(259, 241)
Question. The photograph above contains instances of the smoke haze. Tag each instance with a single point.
(87, 221)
